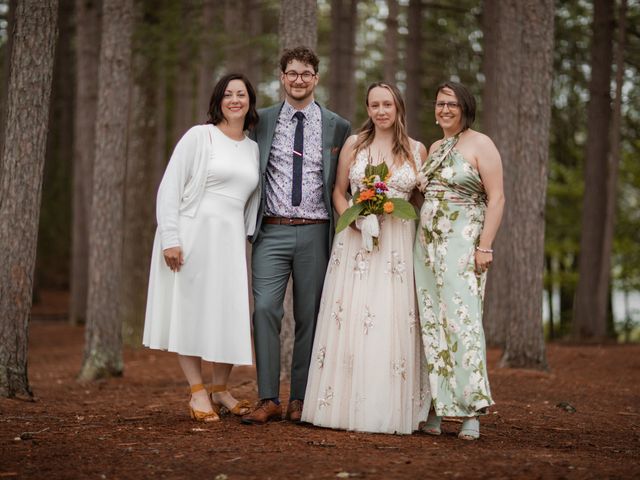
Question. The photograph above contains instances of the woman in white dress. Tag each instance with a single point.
(365, 367)
(198, 300)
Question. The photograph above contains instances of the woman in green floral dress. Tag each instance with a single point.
(461, 213)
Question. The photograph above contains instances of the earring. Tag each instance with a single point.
(437, 123)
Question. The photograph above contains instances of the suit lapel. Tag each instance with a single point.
(328, 132)
(269, 131)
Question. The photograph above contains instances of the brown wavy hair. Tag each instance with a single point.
(302, 54)
(401, 145)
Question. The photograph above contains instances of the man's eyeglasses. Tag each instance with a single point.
(450, 105)
(292, 76)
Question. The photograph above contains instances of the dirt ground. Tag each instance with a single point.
(138, 426)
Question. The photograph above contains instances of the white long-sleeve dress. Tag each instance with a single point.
(207, 204)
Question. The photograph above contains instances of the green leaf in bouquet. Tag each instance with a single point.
(349, 216)
(382, 170)
(403, 209)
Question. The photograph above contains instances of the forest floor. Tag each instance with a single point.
(138, 426)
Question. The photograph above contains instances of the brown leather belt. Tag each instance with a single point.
(291, 221)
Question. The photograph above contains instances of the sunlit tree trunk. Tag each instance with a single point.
(590, 314)
(23, 154)
(298, 26)
(87, 50)
(103, 333)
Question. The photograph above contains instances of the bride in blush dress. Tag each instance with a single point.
(365, 366)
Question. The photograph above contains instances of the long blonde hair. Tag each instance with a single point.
(401, 146)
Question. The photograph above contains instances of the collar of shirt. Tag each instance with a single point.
(310, 111)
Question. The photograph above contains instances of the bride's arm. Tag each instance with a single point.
(339, 196)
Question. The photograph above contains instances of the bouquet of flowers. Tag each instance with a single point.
(370, 202)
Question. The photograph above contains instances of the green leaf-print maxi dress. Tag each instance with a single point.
(449, 292)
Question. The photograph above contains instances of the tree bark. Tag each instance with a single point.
(53, 255)
(524, 346)
(590, 314)
(342, 83)
(103, 333)
(390, 62)
(6, 69)
(518, 118)
(142, 179)
(32, 57)
(87, 49)
(185, 86)
(413, 66)
(298, 25)
(499, 117)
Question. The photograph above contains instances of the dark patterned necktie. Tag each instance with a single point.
(298, 149)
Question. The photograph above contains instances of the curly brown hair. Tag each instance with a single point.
(302, 54)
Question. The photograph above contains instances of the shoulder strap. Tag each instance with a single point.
(437, 157)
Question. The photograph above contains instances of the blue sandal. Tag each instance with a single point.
(470, 429)
(432, 426)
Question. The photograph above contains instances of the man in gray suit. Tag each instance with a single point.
(299, 144)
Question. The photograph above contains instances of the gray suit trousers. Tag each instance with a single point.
(281, 251)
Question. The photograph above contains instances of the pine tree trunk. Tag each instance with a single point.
(499, 121)
(298, 25)
(54, 240)
(23, 154)
(390, 61)
(206, 60)
(253, 49)
(517, 118)
(103, 334)
(524, 346)
(413, 67)
(6, 69)
(87, 49)
(567, 296)
(342, 58)
(142, 179)
(185, 86)
(590, 314)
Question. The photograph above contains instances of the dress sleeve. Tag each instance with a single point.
(171, 189)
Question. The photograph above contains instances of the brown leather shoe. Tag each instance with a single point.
(294, 410)
(265, 411)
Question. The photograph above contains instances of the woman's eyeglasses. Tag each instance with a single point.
(450, 105)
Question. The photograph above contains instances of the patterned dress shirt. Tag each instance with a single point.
(278, 183)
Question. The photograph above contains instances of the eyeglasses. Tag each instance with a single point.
(292, 76)
(450, 105)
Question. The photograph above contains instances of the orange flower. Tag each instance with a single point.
(388, 207)
(366, 195)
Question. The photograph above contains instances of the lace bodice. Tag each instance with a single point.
(401, 183)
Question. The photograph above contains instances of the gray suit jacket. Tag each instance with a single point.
(335, 131)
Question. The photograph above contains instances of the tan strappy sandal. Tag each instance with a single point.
(242, 407)
(198, 415)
